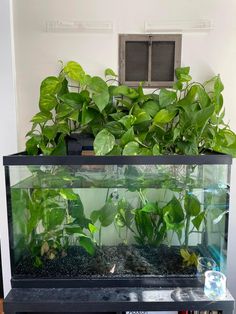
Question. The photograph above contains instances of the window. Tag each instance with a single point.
(151, 59)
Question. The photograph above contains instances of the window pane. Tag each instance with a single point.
(163, 53)
(136, 61)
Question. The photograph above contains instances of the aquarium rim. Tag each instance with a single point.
(22, 159)
(144, 281)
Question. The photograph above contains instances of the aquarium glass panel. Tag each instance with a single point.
(83, 221)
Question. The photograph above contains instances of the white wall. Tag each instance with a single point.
(37, 52)
(8, 142)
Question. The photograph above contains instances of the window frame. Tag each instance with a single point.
(123, 38)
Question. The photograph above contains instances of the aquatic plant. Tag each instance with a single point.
(51, 219)
(189, 258)
(153, 221)
(104, 215)
(55, 217)
(124, 218)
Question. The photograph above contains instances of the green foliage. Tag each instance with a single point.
(55, 217)
(187, 119)
(106, 214)
(163, 116)
(131, 148)
(124, 216)
(110, 72)
(166, 98)
(173, 213)
(100, 93)
(197, 221)
(104, 142)
(192, 208)
(170, 213)
(149, 221)
(74, 71)
(87, 244)
(192, 205)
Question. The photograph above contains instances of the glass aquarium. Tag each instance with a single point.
(127, 219)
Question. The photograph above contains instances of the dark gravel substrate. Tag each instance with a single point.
(111, 261)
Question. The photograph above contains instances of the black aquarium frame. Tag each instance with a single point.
(22, 159)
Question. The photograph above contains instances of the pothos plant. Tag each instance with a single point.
(187, 119)
(50, 219)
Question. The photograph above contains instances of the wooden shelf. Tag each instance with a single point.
(1, 306)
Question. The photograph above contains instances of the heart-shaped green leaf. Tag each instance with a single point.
(164, 116)
(110, 72)
(131, 149)
(74, 71)
(104, 142)
(166, 97)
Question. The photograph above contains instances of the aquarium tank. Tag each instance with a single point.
(116, 220)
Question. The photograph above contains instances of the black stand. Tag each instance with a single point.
(112, 300)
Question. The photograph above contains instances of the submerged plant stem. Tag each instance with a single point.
(142, 197)
(100, 236)
(187, 231)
